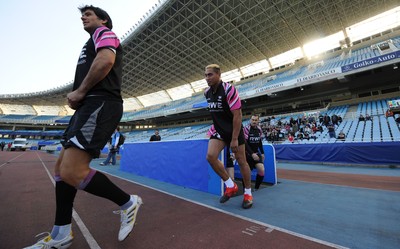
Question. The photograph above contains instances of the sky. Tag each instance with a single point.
(41, 40)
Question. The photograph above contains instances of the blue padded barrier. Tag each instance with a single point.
(373, 153)
(178, 162)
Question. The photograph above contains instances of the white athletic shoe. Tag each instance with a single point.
(48, 243)
(128, 217)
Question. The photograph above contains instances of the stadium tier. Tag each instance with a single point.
(331, 67)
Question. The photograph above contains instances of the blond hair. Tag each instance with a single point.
(215, 67)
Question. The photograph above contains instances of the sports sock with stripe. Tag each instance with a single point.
(98, 184)
(65, 195)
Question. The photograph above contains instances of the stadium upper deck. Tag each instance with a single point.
(186, 35)
(324, 70)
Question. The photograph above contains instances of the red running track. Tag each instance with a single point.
(164, 221)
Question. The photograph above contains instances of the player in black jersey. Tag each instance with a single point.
(96, 99)
(254, 148)
(225, 109)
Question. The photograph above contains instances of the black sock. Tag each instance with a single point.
(101, 186)
(65, 195)
(259, 180)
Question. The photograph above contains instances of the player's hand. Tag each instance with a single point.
(74, 99)
(234, 145)
(255, 157)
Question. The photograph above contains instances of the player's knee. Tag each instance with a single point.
(67, 177)
(241, 160)
(260, 169)
(70, 177)
(211, 158)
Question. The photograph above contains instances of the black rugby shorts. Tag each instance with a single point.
(228, 139)
(92, 125)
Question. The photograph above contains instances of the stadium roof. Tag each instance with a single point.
(173, 43)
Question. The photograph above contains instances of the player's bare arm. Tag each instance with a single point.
(101, 66)
(237, 125)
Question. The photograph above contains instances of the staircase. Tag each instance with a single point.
(351, 112)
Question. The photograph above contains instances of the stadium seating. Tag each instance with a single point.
(379, 129)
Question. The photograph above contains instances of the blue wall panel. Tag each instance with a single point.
(387, 153)
(178, 162)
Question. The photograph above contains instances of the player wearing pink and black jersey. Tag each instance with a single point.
(225, 109)
(96, 99)
(254, 148)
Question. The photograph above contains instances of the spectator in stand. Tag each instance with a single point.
(397, 119)
(327, 119)
(299, 121)
(278, 133)
(155, 137)
(320, 129)
(307, 129)
(283, 132)
(340, 120)
(367, 117)
(299, 135)
(321, 118)
(312, 135)
(314, 128)
(389, 113)
(295, 128)
(274, 135)
(341, 136)
(335, 119)
(292, 121)
(287, 128)
(290, 138)
(361, 118)
(311, 119)
(272, 121)
(306, 135)
(331, 130)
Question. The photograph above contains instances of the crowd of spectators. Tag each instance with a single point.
(366, 118)
(305, 127)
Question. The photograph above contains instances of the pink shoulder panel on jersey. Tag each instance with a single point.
(103, 37)
(232, 96)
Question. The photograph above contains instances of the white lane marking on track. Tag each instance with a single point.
(271, 227)
(11, 159)
(85, 231)
(269, 230)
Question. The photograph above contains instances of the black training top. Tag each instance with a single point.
(110, 86)
(220, 104)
